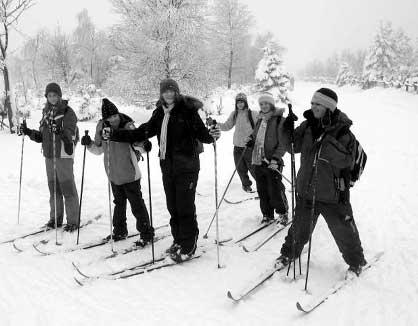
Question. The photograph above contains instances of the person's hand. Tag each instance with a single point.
(215, 132)
(69, 148)
(250, 142)
(147, 145)
(289, 122)
(86, 140)
(273, 165)
(106, 133)
(23, 129)
(210, 122)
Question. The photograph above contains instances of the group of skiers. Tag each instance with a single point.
(261, 139)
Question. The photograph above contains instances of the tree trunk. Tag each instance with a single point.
(7, 104)
(231, 55)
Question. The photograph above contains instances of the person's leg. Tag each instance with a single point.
(66, 181)
(49, 164)
(170, 195)
(241, 166)
(277, 194)
(120, 228)
(301, 228)
(341, 223)
(262, 189)
(139, 210)
(185, 203)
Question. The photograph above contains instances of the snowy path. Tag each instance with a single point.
(38, 290)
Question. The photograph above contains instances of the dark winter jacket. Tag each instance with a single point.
(184, 127)
(66, 122)
(276, 140)
(335, 147)
(123, 157)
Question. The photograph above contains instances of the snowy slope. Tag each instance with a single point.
(38, 290)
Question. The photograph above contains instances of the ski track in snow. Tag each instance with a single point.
(36, 290)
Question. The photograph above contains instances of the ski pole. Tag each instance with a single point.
(314, 181)
(216, 201)
(54, 160)
(278, 171)
(20, 175)
(224, 193)
(150, 202)
(107, 124)
(293, 178)
(86, 132)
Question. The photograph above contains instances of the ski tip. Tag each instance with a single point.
(34, 245)
(300, 308)
(16, 248)
(230, 296)
(245, 249)
(78, 281)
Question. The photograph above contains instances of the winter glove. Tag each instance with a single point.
(250, 142)
(86, 140)
(274, 165)
(147, 145)
(106, 133)
(210, 122)
(23, 129)
(215, 132)
(69, 148)
(289, 122)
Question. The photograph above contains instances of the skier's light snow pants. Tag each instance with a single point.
(65, 189)
(340, 221)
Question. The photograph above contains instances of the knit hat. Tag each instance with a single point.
(167, 84)
(53, 88)
(266, 97)
(326, 97)
(241, 97)
(108, 108)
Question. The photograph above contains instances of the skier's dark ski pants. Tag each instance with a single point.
(245, 165)
(340, 221)
(271, 191)
(180, 191)
(130, 191)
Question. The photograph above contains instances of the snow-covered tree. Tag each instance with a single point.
(345, 75)
(230, 37)
(382, 58)
(271, 74)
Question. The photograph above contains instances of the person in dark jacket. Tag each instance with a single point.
(269, 144)
(58, 119)
(124, 174)
(178, 128)
(326, 148)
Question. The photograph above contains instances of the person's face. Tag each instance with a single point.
(265, 107)
(240, 105)
(318, 110)
(114, 120)
(53, 98)
(169, 96)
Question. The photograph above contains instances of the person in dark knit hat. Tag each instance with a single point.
(124, 173)
(325, 142)
(60, 119)
(243, 120)
(178, 127)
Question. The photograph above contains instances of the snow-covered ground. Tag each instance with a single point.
(37, 290)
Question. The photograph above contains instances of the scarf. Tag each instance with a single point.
(258, 152)
(163, 135)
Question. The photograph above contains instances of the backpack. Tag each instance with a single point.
(360, 159)
(354, 172)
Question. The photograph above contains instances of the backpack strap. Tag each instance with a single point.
(250, 117)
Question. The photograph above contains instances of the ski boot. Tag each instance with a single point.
(181, 255)
(70, 227)
(355, 270)
(117, 236)
(51, 225)
(267, 219)
(247, 189)
(172, 249)
(283, 219)
(282, 261)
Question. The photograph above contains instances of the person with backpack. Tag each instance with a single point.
(123, 173)
(269, 143)
(327, 149)
(178, 128)
(243, 120)
(58, 122)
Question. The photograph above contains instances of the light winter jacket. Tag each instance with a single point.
(243, 128)
(123, 158)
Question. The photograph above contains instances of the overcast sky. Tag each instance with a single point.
(307, 28)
